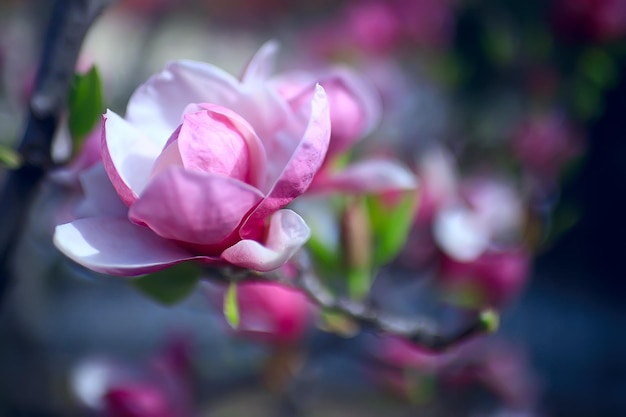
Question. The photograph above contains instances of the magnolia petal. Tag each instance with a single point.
(369, 176)
(355, 107)
(261, 65)
(212, 145)
(303, 165)
(256, 155)
(363, 92)
(287, 233)
(117, 247)
(100, 198)
(194, 207)
(128, 155)
(157, 106)
(460, 234)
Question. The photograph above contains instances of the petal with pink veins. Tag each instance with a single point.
(117, 247)
(193, 207)
(303, 165)
(128, 156)
(286, 234)
(256, 158)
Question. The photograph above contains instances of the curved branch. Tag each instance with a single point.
(420, 331)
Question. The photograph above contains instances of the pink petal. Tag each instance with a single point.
(369, 176)
(192, 207)
(192, 149)
(128, 155)
(115, 246)
(261, 65)
(208, 142)
(157, 106)
(303, 165)
(287, 233)
(355, 108)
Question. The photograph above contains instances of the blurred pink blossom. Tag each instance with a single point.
(487, 213)
(382, 27)
(272, 313)
(399, 362)
(159, 387)
(590, 20)
(494, 279)
(163, 170)
(545, 142)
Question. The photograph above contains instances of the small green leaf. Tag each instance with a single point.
(9, 157)
(170, 285)
(391, 224)
(490, 320)
(86, 105)
(231, 306)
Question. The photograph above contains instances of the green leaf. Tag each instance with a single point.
(86, 105)
(170, 285)
(328, 260)
(231, 306)
(9, 157)
(391, 224)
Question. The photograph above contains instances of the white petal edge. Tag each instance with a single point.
(128, 156)
(286, 235)
(117, 247)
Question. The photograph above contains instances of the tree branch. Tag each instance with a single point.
(68, 26)
(422, 332)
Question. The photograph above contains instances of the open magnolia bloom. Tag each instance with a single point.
(201, 168)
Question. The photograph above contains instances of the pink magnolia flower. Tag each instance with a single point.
(272, 313)
(494, 278)
(487, 213)
(159, 387)
(200, 168)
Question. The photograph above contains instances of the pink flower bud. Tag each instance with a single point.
(272, 313)
(137, 401)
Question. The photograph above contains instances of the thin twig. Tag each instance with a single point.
(420, 331)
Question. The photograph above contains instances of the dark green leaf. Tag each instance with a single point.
(170, 285)
(86, 105)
